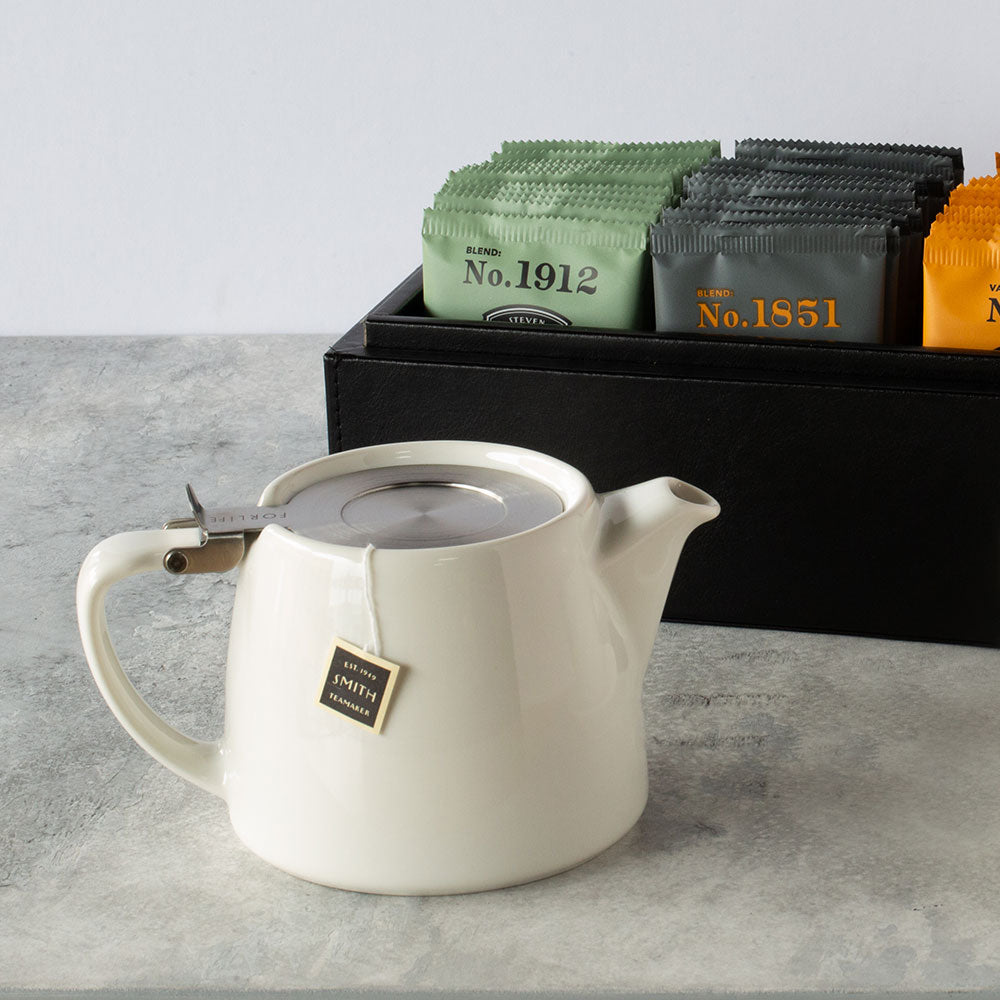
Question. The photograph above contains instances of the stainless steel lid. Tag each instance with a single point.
(397, 507)
(421, 506)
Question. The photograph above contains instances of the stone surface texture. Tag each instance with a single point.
(824, 810)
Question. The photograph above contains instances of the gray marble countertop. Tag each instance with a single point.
(824, 811)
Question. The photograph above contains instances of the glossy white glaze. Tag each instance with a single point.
(514, 745)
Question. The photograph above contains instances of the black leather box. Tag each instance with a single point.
(860, 485)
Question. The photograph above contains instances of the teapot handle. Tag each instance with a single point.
(114, 559)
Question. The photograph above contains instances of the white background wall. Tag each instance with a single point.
(249, 167)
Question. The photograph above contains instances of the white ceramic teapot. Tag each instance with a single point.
(435, 663)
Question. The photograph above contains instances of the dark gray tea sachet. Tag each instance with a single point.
(816, 281)
(758, 241)
(833, 148)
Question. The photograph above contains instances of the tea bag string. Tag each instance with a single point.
(376, 639)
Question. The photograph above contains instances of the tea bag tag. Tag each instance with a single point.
(358, 685)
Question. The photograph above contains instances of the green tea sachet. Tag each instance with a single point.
(536, 270)
(666, 176)
(553, 232)
(695, 149)
(615, 202)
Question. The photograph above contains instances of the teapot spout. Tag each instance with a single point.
(641, 533)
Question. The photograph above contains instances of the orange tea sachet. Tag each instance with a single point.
(962, 269)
